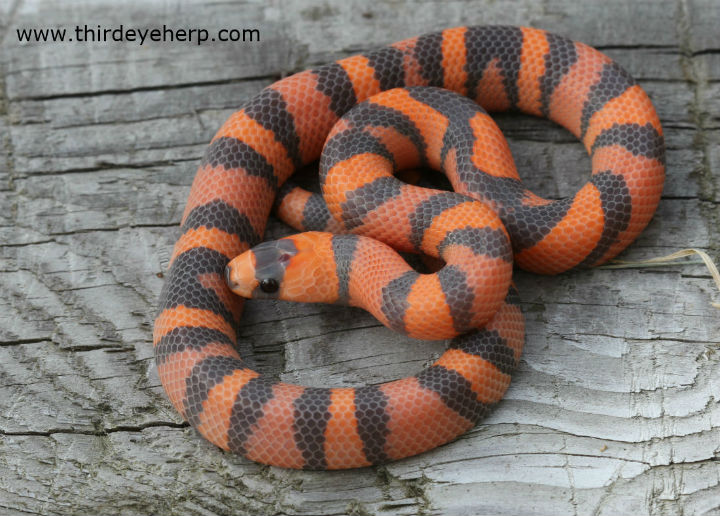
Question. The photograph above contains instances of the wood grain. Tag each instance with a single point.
(614, 409)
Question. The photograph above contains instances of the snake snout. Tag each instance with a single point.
(228, 279)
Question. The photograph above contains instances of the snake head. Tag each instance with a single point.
(292, 269)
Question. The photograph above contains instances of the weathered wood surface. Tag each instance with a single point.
(614, 409)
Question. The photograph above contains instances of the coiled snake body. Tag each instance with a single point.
(286, 125)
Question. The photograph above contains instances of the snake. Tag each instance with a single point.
(420, 101)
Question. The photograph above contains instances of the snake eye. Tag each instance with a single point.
(269, 285)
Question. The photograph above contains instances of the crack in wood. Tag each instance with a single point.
(165, 87)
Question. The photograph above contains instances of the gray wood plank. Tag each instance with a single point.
(614, 409)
